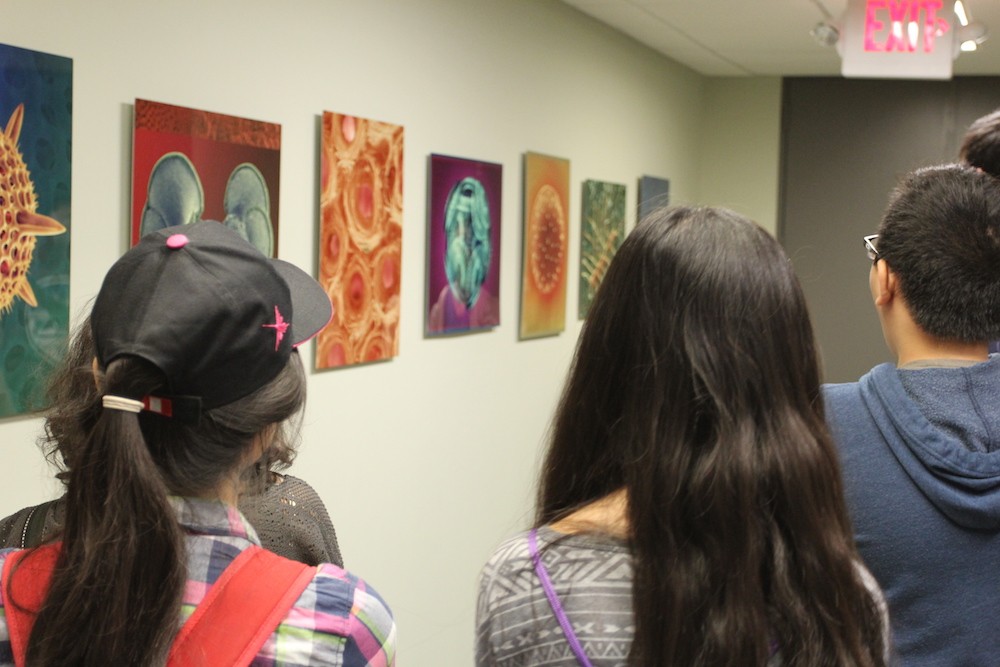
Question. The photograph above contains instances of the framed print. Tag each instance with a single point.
(190, 165)
(361, 238)
(463, 245)
(546, 245)
(654, 193)
(36, 127)
(602, 223)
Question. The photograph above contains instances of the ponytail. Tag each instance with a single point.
(116, 589)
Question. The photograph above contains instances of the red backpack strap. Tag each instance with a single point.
(244, 606)
(24, 594)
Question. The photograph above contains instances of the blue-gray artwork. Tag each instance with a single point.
(654, 193)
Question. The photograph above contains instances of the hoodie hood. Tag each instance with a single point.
(962, 483)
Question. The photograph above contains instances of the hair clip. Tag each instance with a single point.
(121, 403)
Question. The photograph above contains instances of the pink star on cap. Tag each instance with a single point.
(280, 326)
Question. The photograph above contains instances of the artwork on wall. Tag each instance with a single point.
(653, 193)
(602, 231)
(546, 245)
(463, 245)
(361, 232)
(36, 112)
(190, 165)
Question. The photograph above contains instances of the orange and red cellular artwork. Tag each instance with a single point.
(361, 231)
(546, 245)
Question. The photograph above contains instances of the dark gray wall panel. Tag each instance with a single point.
(845, 143)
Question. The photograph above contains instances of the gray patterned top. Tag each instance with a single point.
(592, 575)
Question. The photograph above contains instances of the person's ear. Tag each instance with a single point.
(97, 373)
(885, 284)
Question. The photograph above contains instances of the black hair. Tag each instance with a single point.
(940, 235)
(695, 388)
(981, 145)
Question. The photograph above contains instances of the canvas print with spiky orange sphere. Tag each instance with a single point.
(361, 233)
(36, 109)
(546, 245)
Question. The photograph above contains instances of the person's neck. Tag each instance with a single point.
(923, 348)
(227, 492)
(910, 343)
(608, 515)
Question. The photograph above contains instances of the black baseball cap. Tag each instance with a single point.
(215, 315)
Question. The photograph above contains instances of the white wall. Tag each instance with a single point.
(741, 140)
(426, 461)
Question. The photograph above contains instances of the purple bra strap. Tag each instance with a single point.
(557, 608)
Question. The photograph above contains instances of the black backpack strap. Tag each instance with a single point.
(34, 525)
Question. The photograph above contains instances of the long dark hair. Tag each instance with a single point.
(116, 590)
(695, 387)
(72, 402)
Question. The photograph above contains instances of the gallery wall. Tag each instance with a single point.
(426, 461)
(741, 142)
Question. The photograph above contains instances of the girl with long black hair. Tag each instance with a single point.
(195, 333)
(690, 510)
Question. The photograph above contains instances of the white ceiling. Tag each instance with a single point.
(758, 37)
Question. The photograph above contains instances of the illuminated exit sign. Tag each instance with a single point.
(898, 39)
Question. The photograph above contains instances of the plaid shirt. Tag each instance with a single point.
(338, 619)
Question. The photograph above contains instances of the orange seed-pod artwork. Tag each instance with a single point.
(361, 230)
(546, 245)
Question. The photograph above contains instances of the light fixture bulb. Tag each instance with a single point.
(963, 18)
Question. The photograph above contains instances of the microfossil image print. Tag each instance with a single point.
(191, 165)
(35, 150)
(602, 231)
(361, 232)
(463, 245)
(654, 193)
(546, 244)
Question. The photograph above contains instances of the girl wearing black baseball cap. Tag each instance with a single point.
(196, 334)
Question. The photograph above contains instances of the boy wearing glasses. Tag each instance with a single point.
(920, 439)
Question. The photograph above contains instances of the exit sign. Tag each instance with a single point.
(898, 39)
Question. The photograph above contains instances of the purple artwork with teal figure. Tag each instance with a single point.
(463, 245)
(36, 113)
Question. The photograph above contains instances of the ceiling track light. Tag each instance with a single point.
(825, 33)
(969, 34)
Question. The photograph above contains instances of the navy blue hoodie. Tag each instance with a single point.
(920, 451)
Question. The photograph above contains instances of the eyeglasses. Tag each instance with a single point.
(871, 249)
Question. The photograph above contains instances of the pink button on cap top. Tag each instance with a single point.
(175, 241)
